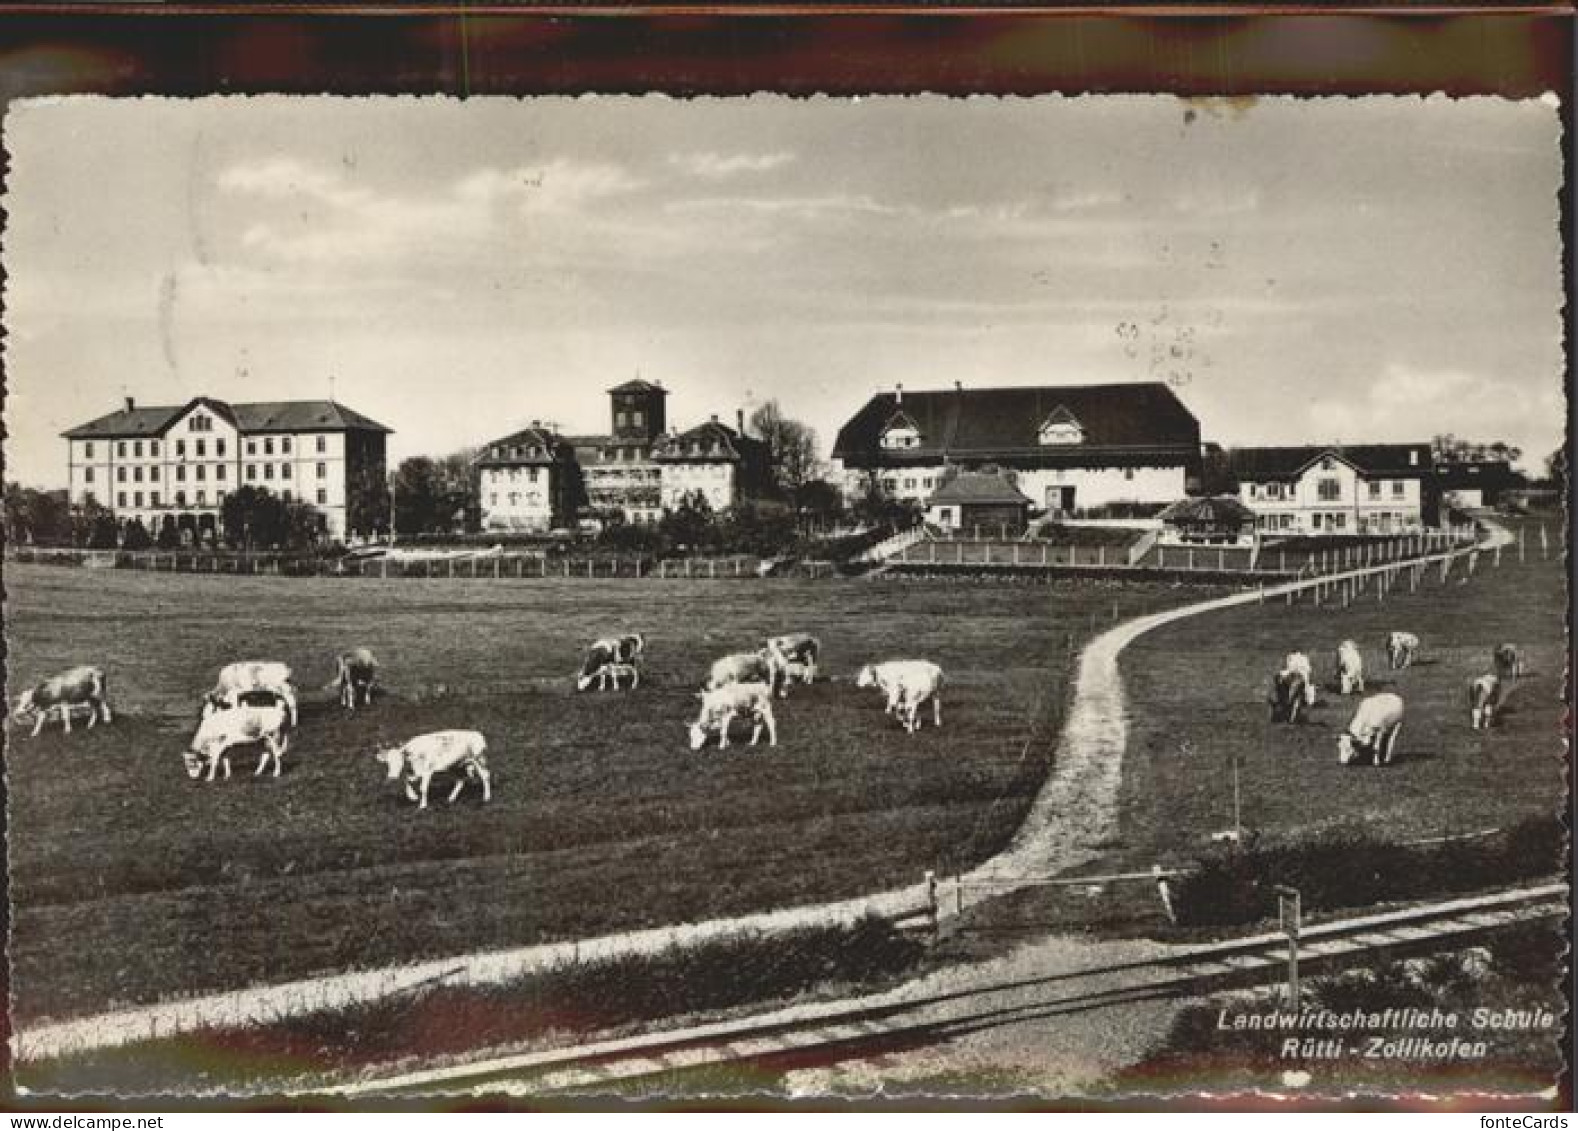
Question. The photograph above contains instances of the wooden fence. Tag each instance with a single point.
(497, 566)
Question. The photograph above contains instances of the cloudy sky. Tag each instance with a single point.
(1355, 270)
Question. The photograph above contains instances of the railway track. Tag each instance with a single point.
(838, 1031)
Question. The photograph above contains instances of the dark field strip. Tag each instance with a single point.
(131, 883)
(1197, 688)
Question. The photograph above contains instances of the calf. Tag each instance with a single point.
(247, 677)
(461, 752)
(355, 673)
(78, 687)
(1509, 663)
(1484, 700)
(610, 650)
(722, 705)
(1401, 647)
(1350, 669)
(908, 684)
(243, 725)
(797, 648)
(1373, 730)
(1288, 695)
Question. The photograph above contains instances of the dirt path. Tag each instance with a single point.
(1072, 815)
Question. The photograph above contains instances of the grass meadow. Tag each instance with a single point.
(131, 883)
(1197, 698)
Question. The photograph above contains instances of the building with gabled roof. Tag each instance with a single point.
(637, 470)
(1068, 447)
(978, 500)
(1338, 488)
(176, 464)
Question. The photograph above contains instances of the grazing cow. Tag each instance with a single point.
(1484, 700)
(1289, 695)
(460, 752)
(1509, 662)
(908, 684)
(243, 725)
(355, 673)
(1401, 648)
(622, 650)
(247, 677)
(764, 666)
(1373, 730)
(78, 687)
(797, 648)
(722, 705)
(1300, 663)
(1350, 669)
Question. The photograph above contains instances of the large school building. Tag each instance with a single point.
(537, 479)
(177, 463)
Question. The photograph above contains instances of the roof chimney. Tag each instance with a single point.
(739, 421)
(898, 394)
(536, 424)
(958, 386)
(715, 418)
(131, 403)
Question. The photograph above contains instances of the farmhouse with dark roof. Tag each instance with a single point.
(177, 463)
(1066, 447)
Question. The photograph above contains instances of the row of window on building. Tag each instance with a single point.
(1383, 522)
(134, 448)
(136, 498)
(200, 473)
(1326, 490)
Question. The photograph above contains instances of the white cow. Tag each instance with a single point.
(461, 752)
(720, 706)
(763, 666)
(908, 684)
(355, 674)
(1300, 663)
(1401, 648)
(1350, 668)
(1373, 730)
(251, 677)
(1484, 700)
(242, 725)
(77, 687)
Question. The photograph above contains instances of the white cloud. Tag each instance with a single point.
(561, 185)
(716, 166)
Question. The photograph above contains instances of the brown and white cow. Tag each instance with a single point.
(77, 687)
(1509, 662)
(247, 679)
(720, 706)
(605, 653)
(355, 675)
(1484, 700)
(1350, 669)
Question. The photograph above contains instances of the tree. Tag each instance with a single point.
(688, 526)
(37, 517)
(169, 534)
(135, 536)
(1556, 468)
(791, 448)
(1447, 448)
(820, 501)
(430, 493)
(103, 533)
